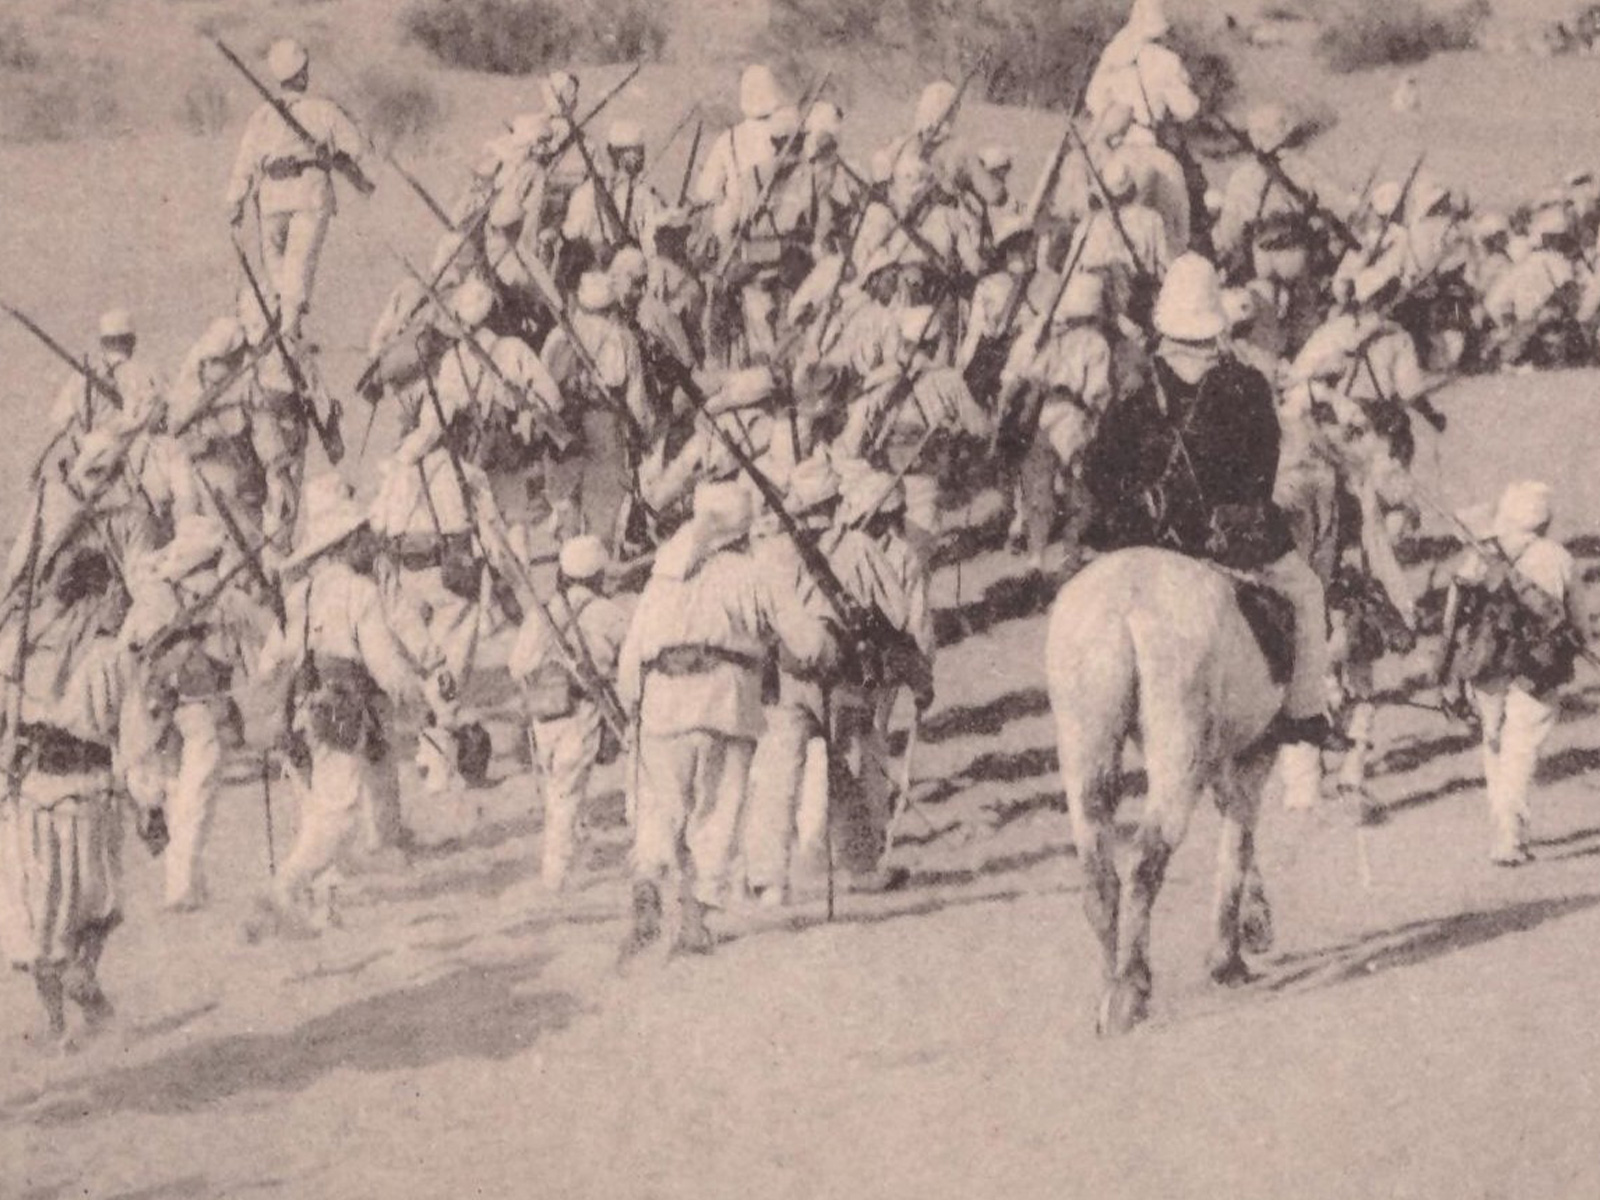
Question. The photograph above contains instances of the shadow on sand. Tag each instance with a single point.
(1413, 943)
(480, 1012)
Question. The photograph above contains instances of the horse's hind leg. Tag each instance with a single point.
(1092, 804)
(1241, 913)
(1173, 758)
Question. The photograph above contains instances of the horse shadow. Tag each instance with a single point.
(1414, 943)
(479, 1012)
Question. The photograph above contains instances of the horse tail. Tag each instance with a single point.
(1093, 669)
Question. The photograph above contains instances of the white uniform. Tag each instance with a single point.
(566, 744)
(336, 619)
(294, 193)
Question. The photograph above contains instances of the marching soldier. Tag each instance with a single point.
(785, 757)
(195, 630)
(737, 161)
(210, 415)
(1137, 70)
(566, 727)
(80, 407)
(1515, 621)
(347, 669)
(627, 197)
(1058, 382)
(602, 381)
(917, 423)
(291, 179)
(933, 126)
(690, 675)
(84, 742)
(878, 567)
(1125, 241)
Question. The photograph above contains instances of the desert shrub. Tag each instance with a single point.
(518, 37)
(1033, 52)
(1358, 35)
(396, 106)
(205, 107)
(59, 106)
(17, 51)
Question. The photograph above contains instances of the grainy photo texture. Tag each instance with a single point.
(799, 598)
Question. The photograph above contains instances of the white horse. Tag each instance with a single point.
(1147, 643)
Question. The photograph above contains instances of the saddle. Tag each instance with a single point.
(1271, 619)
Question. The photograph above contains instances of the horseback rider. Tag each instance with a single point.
(1188, 462)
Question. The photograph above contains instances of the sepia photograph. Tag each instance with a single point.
(879, 599)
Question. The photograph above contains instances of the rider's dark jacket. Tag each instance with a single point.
(1190, 467)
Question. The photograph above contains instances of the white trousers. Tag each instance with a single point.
(1515, 726)
(191, 800)
(291, 245)
(689, 801)
(334, 810)
(566, 748)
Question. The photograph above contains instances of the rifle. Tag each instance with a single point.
(908, 222)
(338, 161)
(327, 431)
(550, 425)
(1494, 549)
(92, 379)
(1376, 249)
(252, 555)
(473, 224)
(605, 202)
(903, 385)
(1309, 204)
(19, 664)
(688, 167)
(584, 671)
(780, 164)
(1139, 267)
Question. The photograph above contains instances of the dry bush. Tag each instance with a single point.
(396, 106)
(1358, 35)
(518, 37)
(17, 51)
(1034, 52)
(205, 108)
(76, 100)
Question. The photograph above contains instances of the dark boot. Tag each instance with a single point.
(646, 929)
(693, 936)
(82, 987)
(1316, 731)
(52, 994)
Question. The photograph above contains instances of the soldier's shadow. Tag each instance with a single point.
(477, 1012)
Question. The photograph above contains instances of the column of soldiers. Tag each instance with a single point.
(772, 383)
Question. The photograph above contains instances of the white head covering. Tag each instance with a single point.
(332, 515)
(812, 483)
(1268, 127)
(1189, 306)
(1081, 299)
(472, 302)
(222, 338)
(722, 514)
(742, 389)
(595, 292)
(919, 325)
(1523, 511)
(759, 93)
(116, 323)
(558, 91)
(863, 491)
(583, 557)
(934, 108)
(287, 58)
(625, 135)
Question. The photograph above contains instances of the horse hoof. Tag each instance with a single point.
(1230, 970)
(1123, 1008)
